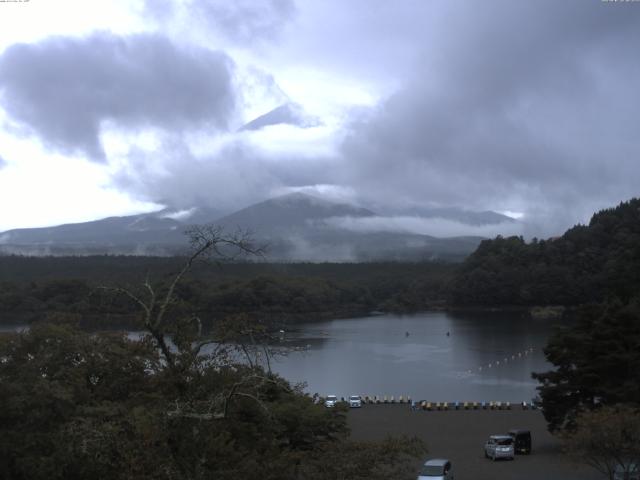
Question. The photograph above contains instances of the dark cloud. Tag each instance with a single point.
(518, 105)
(63, 89)
(242, 21)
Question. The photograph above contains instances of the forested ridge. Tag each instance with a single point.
(34, 289)
(589, 263)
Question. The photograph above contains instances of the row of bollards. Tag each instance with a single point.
(384, 399)
(435, 406)
(429, 406)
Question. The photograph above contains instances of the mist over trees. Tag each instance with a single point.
(588, 263)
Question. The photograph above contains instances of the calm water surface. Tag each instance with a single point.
(413, 355)
(488, 356)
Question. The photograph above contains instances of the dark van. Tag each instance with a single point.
(521, 440)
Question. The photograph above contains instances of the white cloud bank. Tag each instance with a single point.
(436, 227)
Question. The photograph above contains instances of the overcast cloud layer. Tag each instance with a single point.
(529, 106)
(64, 88)
(243, 21)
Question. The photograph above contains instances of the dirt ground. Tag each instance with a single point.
(459, 435)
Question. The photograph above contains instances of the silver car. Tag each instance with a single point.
(330, 401)
(355, 401)
(436, 469)
(499, 446)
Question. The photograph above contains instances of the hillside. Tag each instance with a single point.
(587, 264)
(296, 227)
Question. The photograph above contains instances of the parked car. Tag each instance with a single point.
(355, 401)
(330, 401)
(499, 446)
(436, 469)
(521, 441)
(629, 471)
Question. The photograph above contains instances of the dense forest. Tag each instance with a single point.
(34, 289)
(78, 406)
(588, 263)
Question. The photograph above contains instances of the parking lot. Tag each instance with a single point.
(459, 435)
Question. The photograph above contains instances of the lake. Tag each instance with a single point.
(488, 356)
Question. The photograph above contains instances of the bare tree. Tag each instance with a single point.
(207, 242)
(185, 349)
(608, 439)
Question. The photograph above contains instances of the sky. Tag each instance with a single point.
(531, 108)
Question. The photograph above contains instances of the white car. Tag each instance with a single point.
(436, 469)
(499, 446)
(330, 401)
(355, 401)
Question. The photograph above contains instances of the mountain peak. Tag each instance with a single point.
(292, 210)
(286, 114)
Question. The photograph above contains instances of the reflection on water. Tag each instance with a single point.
(485, 356)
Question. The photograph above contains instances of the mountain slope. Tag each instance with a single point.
(108, 231)
(295, 226)
(286, 114)
(586, 264)
(292, 211)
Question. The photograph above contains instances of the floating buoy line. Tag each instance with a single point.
(498, 362)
